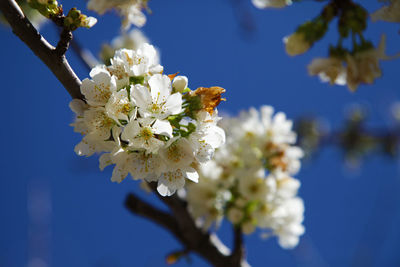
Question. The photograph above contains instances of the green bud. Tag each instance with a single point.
(48, 8)
(329, 12)
(314, 30)
(76, 19)
(136, 79)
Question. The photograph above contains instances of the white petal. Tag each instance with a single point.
(215, 137)
(131, 130)
(148, 51)
(78, 106)
(97, 70)
(87, 87)
(163, 189)
(160, 88)
(192, 175)
(105, 160)
(162, 127)
(141, 97)
(156, 69)
(204, 152)
(83, 149)
(174, 104)
(118, 174)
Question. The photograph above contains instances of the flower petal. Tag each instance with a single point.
(173, 105)
(162, 127)
(160, 88)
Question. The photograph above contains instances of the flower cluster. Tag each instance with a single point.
(151, 126)
(130, 10)
(249, 180)
(351, 69)
(389, 13)
(351, 66)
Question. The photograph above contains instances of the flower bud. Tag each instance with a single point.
(47, 8)
(76, 19)
(180, 83)
(296, 44)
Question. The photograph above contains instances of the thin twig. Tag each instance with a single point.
(63, 44)
(24, 29)
(84, 55)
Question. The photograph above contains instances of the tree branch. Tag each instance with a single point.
(238, 253)
(146, 210)
(63, 44)
(84, 55)
(57, 63)
(184, 228)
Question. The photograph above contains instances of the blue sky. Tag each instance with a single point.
(351, 217)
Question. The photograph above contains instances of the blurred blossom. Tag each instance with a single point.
(129, 10)
(249, 181)
(131, 40)
(389, 13)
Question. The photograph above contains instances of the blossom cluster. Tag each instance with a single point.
(130, 10)
(360, 67)
(150, 125)
(249, 181)
(389, 13)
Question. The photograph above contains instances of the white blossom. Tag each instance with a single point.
(329, 69)
(363, 67)
(142, 126)
(207, 137)
(249, 178)
(136, 62)
(130, 10)
(120, 107)
(98, 90)
(158, 101)
(141, 134)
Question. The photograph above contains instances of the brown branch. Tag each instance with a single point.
(185, 230)
(146, 210)
(63, 44)
(57, 63)
(238, 253)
